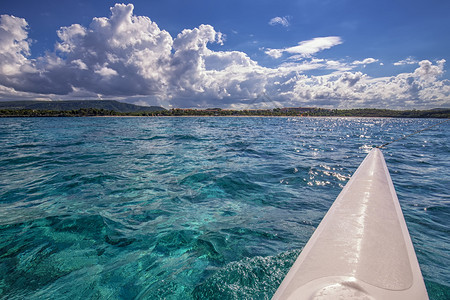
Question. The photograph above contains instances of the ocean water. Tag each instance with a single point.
(197, 208)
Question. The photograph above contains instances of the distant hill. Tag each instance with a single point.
(117, 106)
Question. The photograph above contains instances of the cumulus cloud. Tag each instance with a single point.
(307, 48)
(275, 53)
(197, 70)
(407, 61)
(14, 44)
(17, 70)
(130, 57)
(283, 21)
(365, 61)
(120, 55)
(429, 71)
(420, 88)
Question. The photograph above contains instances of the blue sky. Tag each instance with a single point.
(231, 54)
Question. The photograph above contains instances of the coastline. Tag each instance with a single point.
(210, 116)
(200, 116)
(443, 113)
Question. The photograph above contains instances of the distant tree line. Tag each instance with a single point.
(83, 112)
(313, 112)
(387, 113)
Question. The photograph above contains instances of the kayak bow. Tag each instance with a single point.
(362, 248)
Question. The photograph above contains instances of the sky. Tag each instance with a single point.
(235, 54)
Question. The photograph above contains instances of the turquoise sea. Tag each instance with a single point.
(197, 208)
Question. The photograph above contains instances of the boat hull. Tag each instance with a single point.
(362, 248)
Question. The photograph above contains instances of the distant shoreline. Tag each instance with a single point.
(236, 116)
(217, 112)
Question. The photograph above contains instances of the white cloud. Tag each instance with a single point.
(315, 64)
(283, 21)
(407, 61)
(419, 89)
(120, 55)
(275, 53)
(365, 61)
(308, 48)
(14, 45)
(106, 72)
(427, 71)
(129, 57)
(79, 64)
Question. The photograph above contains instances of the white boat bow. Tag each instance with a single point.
(362, 248)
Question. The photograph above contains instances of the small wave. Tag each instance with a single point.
(68, 144)
(26, 146)
(47, 249)
(325, 175)
(173, 241)
(437, 291)
(366, 148)
(77, 180)
(251, 278)
(185, 137)
(237, 183)
(25, 160)
(155, 137)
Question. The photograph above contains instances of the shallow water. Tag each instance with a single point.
(197, 208)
